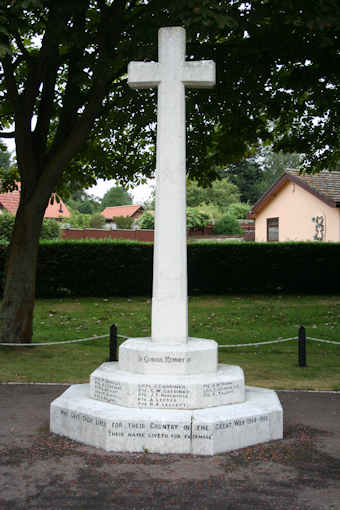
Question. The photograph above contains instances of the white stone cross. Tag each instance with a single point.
(171, 74)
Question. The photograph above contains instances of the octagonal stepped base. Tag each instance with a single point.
(202, 432)
(143, 356)
(108, 383)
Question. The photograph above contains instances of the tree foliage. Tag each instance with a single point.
(227, 225)
(116, 196)
(220, 193)
(146, 221)
(253, 176)
(50, 228)
(97, 220)
(123, 222)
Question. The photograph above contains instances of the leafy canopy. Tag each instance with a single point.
(63, 64)
(116, 196)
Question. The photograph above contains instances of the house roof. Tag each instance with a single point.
(10, 202)
(324, 185)
(127, 211)
(57, 209)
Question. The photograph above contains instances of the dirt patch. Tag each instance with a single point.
(39, 470)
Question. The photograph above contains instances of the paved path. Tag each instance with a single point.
(42, 471)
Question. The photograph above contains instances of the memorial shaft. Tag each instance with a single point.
(169, 301)
(171, 74)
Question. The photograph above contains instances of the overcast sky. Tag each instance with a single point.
(139, 193)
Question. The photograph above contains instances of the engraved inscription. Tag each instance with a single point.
(218, 389)
(241, 422)
(152, 430)
(163, 395)
(164, 359)
(85, 418)
(107, 391)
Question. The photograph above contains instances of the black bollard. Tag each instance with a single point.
(113, 343)
(302, 347)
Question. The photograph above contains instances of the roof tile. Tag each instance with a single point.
(121, 210)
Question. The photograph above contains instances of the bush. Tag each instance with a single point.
(6, 226)
(97, 221)
(196, 219)
(50, 229)
(79, 220)
(123, 222)
(227, 225)
(122, 268)
(239, 210)
(147, 221)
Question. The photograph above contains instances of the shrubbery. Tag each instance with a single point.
(196, 219)
(120, 268)
(6, 226)
(239, 210)
(50, 228)
(147, 221)
(97, 220)
(227, 225)
(123, 222)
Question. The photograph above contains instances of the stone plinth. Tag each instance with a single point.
(143, 356)
(203, 432)
(111, 384)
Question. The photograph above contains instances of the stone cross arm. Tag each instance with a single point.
(198, 74)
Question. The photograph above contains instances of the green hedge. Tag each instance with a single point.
(123, 268)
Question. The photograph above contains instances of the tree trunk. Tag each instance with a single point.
(19, 293)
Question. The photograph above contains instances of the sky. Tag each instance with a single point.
(139, 193)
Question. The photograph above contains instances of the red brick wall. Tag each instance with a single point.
(93, 233)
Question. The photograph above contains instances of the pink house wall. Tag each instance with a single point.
(296, 209)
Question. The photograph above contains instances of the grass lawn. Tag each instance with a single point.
(226, 319)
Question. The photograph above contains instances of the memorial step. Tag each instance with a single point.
(108, 383)
(203, 432)
(143, 356)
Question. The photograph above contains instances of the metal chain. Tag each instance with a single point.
(323, 341)
(223, 346)
(260, 343)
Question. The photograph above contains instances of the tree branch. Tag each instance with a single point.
(21, 46)
(9, 134)
(10, 81)
(46, 106)
(72, 89)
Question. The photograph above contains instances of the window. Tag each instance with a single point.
(272, 229)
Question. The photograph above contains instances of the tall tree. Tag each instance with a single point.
(274, 164)
(247, 176)
(63, 65)
(253, 176)
(116, 196)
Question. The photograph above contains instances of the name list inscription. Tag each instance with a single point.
(163, 395)
(107, 391)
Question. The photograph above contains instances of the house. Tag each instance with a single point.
(125, 211)
(299, 207)
(9, 202)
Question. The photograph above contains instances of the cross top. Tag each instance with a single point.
(171, 65)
